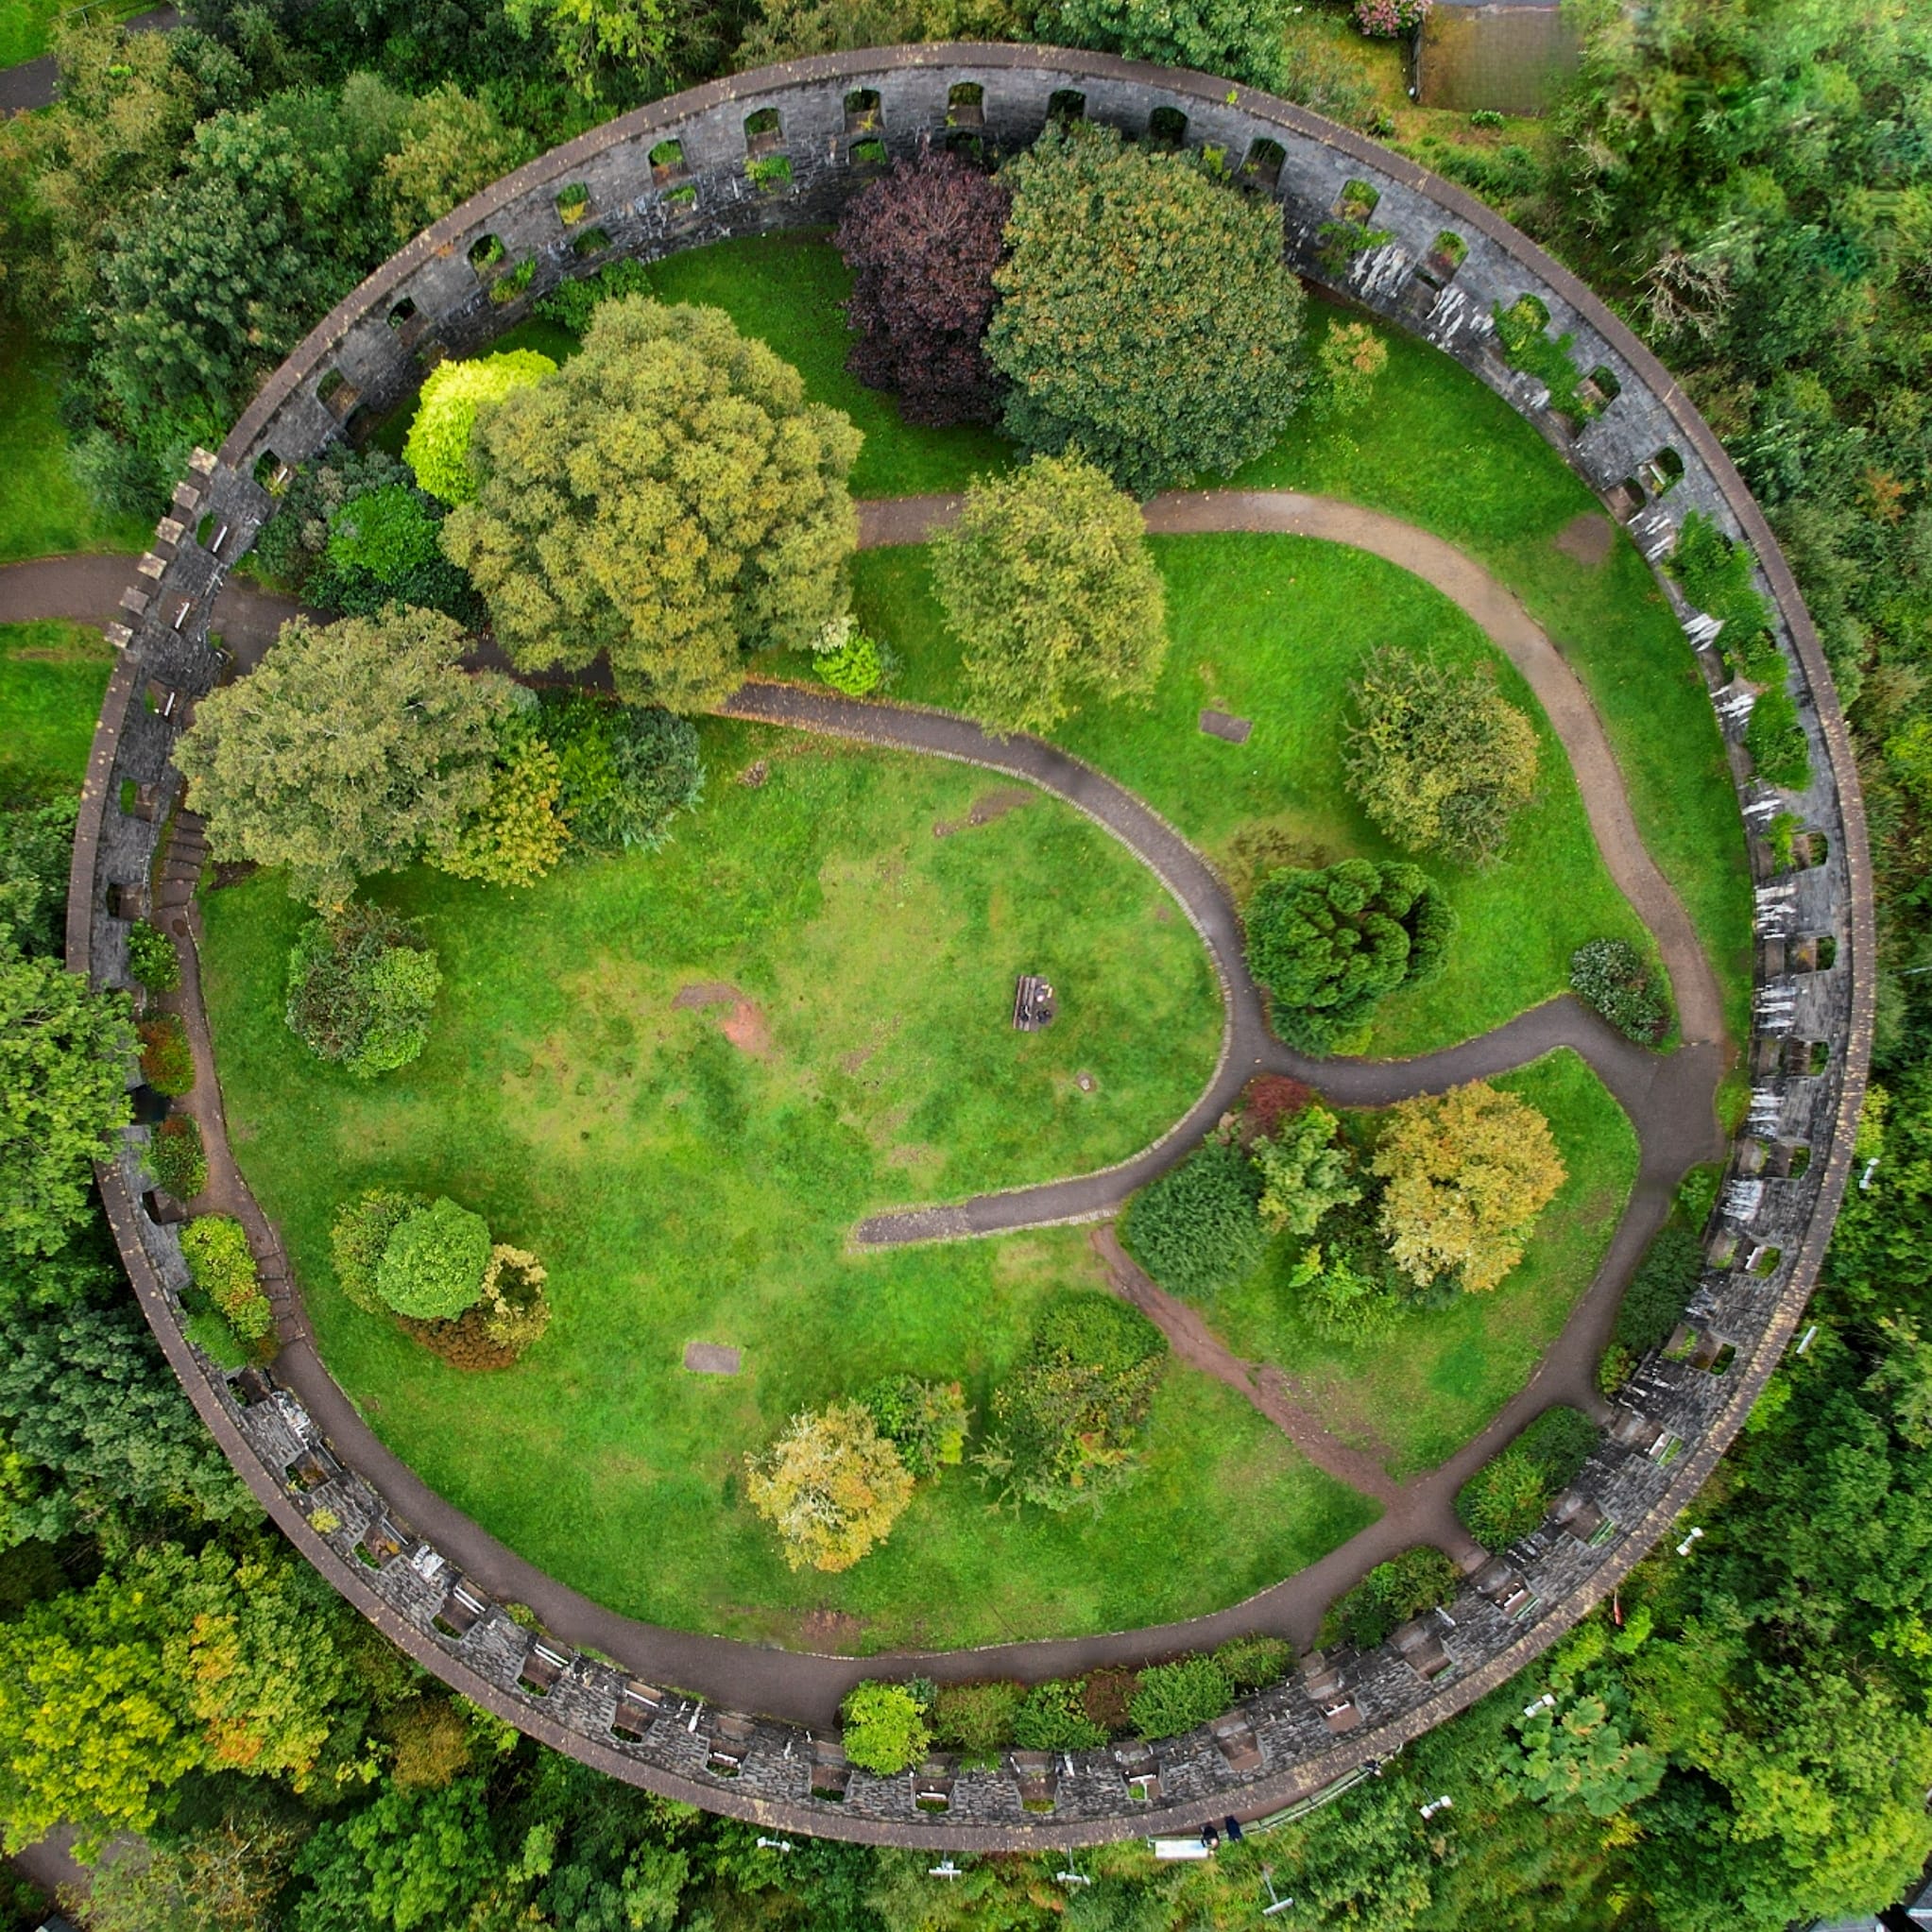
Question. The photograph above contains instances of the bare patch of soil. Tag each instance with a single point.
(744, 1026)
(985, 809)
(1587, 537)
(832, 1632)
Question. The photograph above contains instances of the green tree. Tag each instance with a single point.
(1231, 37)
(1304, 1171)
(351, 747)
(359, 1234)
(924, 1421)
(1047, 581)
(214, 280)
(440, 432)
(1175, 1697)
(409, 1861)
(1438, 758)
(1068, 1418)
(599, 528)
(1466, 1174)
(452, 146)
(433, 1264)
(1147, 316)
(94, 1724)
(884, 1728)
(65, 1052)
(518, 834)
(831, 1486)
(1580, 1759)
(1330, 945)
(1196, 1228)
(225, 1878)
(87, 1398)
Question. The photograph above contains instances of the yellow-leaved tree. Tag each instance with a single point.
(831, 1486)
(1467, 1172)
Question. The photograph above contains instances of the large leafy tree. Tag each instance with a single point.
(831, 1486)
(65, 1052)
(1466, 1174)
(352, 748)
(87, 1400)
(1330, 945)
(1147, 316)
(1245, 39)
(670, 497)
(921, 245)
(450, 145)
(1437, 757)
(1047, 579)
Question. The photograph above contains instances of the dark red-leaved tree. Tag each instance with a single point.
(921, 243)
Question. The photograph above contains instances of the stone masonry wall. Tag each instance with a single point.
(1811, 1036)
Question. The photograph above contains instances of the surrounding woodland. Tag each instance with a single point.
(1746, 1743)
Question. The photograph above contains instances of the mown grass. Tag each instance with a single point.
(1435, 446)
(44, 510)
(1415, 1396)
(51, 680)
(682, 1188)
(1272, 628)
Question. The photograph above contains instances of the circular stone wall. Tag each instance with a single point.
(349, 1505)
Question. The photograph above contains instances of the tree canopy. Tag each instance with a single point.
(346, 751)
(669, 497)
(1330, 945)
(1147, 316)
(1467, 1173)
(831, 1486)
(1437, 757)
(1047, 581)
(437, 445)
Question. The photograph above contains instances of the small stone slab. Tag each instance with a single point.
(710, 1359)
(1219, 725)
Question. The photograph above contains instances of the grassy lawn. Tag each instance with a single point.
(24, 29)
(1435, 446)
(51, 680)
(1416, 1395)
(1272, 628)
(692, 1174)
(43, 511)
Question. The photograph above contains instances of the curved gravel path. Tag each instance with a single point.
(1668, 1098)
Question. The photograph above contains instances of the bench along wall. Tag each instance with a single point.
(706, 164)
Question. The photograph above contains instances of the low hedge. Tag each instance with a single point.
(215, 1248)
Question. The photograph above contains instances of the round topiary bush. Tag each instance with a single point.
(438, 447)
(434, 1265)
(1612, 975)
(884, 1728)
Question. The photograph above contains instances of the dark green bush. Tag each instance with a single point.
(1775, 740)
(1252, 1663)
(1052, 1717)
(1559, 1441)
(167, 1062)
(434, 1265)
(176, 1159)
(627, 770)
(571, 303)
(152, 960)
(1407, 1585)
(361, 987)
(1197, 1229)
(1665, 1279)
(1612, 976)
(1175, 1697)
(1330, 945)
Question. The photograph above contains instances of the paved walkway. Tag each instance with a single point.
(1668, 1098)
